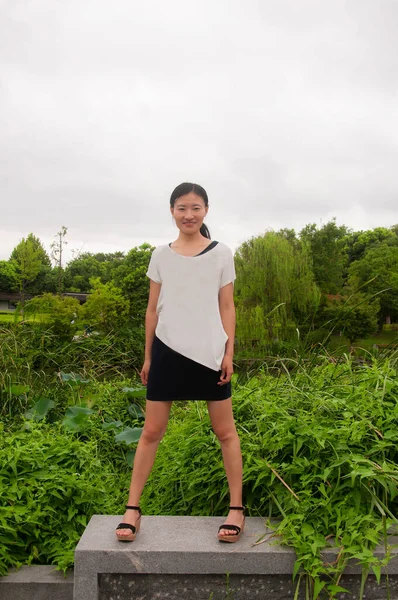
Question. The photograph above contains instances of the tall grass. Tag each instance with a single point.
(32, 360)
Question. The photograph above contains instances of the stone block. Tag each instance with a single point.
(37, 583)
(182, 549)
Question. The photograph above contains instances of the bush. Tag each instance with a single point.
(50, 485)
(60, 313)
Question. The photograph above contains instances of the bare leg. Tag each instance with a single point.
(223, 424)
(156, 419)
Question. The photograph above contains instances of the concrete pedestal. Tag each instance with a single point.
(180, 558)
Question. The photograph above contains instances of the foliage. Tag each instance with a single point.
(377, 272)
(32, 359)
(106, 307)
(33, 265)
(61, 313)
(28, 260)
(325, 428)
(358, 243)
(8, 276)
(328, 258)
(320, 454)
(353, 315)
(88, 266)
(274, 288)
(131, 277)
(50, 485)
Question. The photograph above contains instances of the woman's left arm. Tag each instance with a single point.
(227, 312)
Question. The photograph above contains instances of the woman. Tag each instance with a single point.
(190, 330)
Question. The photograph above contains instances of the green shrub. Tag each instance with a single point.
(50, 485)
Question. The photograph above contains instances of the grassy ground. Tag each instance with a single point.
(12, 318)
(342, 344)
(7, 317)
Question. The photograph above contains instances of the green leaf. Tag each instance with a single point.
(135, 392)
(130, 435)
(135, 411)
(318, 586)
(377, 571)
(19, 390)
(40, 409)
(73, 378)
(130, 457)
(307, 529)
(76, 418)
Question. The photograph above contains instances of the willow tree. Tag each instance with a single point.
(274, 289)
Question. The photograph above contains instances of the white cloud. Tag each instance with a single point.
(285, 111)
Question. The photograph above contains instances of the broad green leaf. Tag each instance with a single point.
(76, 418)
(40, 409)
(73, 378)
(19, 390)
(135, 411)
(130, 435)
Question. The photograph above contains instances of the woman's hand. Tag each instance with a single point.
(145, 371)
(226, 370)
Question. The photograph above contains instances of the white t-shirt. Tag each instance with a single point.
(189, 319)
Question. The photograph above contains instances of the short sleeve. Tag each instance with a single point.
(153, 268)
(228, 274)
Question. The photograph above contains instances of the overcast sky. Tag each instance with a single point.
(286, 111)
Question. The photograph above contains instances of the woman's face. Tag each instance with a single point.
(189, 212)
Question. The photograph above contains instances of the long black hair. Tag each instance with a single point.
(187, 188)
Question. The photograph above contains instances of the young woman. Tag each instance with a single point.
(190, 330)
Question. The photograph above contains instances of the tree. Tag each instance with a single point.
(80, 270)
(327, 253)
(8, 276)
(358, 243)
(40, 283)
(106, 307)
(377, 273)
(131, 277)
(274, 288)
(353, 315)
(27, 257)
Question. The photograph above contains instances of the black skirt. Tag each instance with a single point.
(173, 376)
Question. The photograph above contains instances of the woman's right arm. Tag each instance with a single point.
(151, 320)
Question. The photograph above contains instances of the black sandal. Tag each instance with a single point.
(233, 537)
(134, 528)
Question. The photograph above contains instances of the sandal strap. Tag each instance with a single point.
(126, 526)
(237, 508)
(230, 527)
(134, 508)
